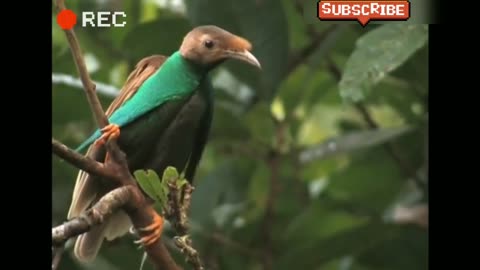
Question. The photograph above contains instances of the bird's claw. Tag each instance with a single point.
(154, 231)
(110, 131)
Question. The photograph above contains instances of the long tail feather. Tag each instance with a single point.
(88, 244)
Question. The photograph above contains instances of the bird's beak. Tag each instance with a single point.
(244, 56)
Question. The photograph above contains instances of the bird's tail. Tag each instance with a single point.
(88, 244)
(85, 194)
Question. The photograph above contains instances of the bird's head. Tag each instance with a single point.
(210, 45)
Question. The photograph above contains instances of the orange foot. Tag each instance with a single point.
(154, 230)
(110, 131)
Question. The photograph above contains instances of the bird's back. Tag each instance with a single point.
(174, 80)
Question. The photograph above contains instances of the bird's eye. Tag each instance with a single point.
(209, 44)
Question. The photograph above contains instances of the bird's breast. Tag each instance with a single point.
(166, 136)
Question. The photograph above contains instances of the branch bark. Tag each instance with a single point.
(134, 203)
(176, 212)
(107, 205)
(89, 165)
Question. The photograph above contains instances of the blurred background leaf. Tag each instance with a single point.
(378, 53)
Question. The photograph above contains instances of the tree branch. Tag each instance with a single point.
(184, 243)
(178, 206)
(134, 204)
(107, 205)
(176, 212)
(84, 76)
(87, 164)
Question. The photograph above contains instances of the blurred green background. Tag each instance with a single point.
(319, 161)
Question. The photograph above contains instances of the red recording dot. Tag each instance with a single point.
(66, 19)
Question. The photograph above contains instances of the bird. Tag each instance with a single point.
(162, 117)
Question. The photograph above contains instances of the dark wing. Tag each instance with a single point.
(201, 139)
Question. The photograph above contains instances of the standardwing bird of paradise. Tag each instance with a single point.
(161, 118)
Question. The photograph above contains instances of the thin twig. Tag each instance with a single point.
(87, 164)
(184, 243)
(107, 205)
(178, 206)
(95, 105)
(176, 212)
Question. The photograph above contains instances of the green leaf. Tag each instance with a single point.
(378, 53)
(415, 70)
(152, 185)
(169, 174)
(263, 23)
(181, 182)
(351, 142)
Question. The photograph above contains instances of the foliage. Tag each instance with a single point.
(158, 189)
(377, 54)
(305, 163)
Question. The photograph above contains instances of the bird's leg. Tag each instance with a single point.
(110, 131)
(154, 230)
